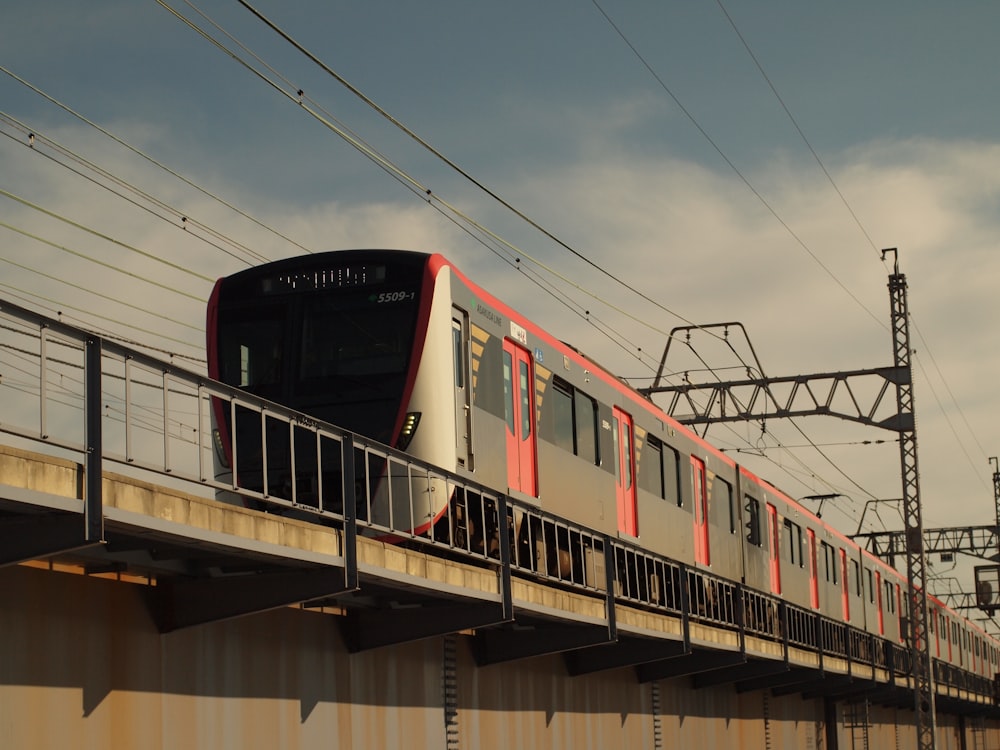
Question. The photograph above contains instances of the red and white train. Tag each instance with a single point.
(401, 347)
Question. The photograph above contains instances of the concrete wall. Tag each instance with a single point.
(83, 666)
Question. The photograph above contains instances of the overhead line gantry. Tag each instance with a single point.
(755, 398)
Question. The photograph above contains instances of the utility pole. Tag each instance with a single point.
(996, 498)
(916, 561)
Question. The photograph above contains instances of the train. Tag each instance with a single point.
(399, 346)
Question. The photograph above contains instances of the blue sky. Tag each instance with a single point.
(547, 105)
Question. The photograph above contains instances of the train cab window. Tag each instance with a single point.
(252, 349)
(753, 521)
(658, 470)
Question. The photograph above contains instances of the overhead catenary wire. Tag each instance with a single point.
(871, 242)
(112, 240)
(424, 191)
(179, 219)
(58, 312)
(102, 263)
(154, 162)
(297, 97)
(760, 197)
(96, 294)
(452, 164)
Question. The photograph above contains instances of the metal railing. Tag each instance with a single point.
(65, 387)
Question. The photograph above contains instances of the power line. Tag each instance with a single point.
(857, 221)
(112, 240)
(92, 259)
(450, 163)
(154, 162)
(97, 294)
(146, 202)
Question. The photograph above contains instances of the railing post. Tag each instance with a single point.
(783, 619)
(93, 508)
(350, 512)
(503, 529)
(610, 574)
(741, 620)
(685, 608)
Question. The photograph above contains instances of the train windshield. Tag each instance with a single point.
(339, 352)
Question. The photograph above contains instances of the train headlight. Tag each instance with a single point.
(220, 450)
(409, 428)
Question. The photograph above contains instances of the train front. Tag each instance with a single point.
(337, 336)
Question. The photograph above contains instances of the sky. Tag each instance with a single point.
(668, 164)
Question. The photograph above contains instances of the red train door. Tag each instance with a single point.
(813, 570)
(518, 387)
(878, 601)
(628, 522)
(845, 593)
(775, 552)
(899, 616)
(702, 553)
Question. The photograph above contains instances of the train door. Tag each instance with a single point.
(813, 570)
(628, 522)
(518, 387)
(878, 601)
(702, 553)
(775, 548)
(463, 388)
(899, 615)
(845, 592)
(933, 628)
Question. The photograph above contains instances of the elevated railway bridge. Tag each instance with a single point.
(139, 611)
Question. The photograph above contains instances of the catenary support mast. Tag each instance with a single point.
(916, 562)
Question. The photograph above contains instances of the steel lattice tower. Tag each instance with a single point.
(916, 562)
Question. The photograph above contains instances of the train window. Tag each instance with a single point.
(753, 521)
(829, 562)
(658, 470)
(871, 586)
(585, 417)
(723, 491)
(345, 343)
(794, 542)
(856, 572)
(562, 415)
(252, 348)
(574, 415)
(672, 476)
(508, 390)
(458, 353)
